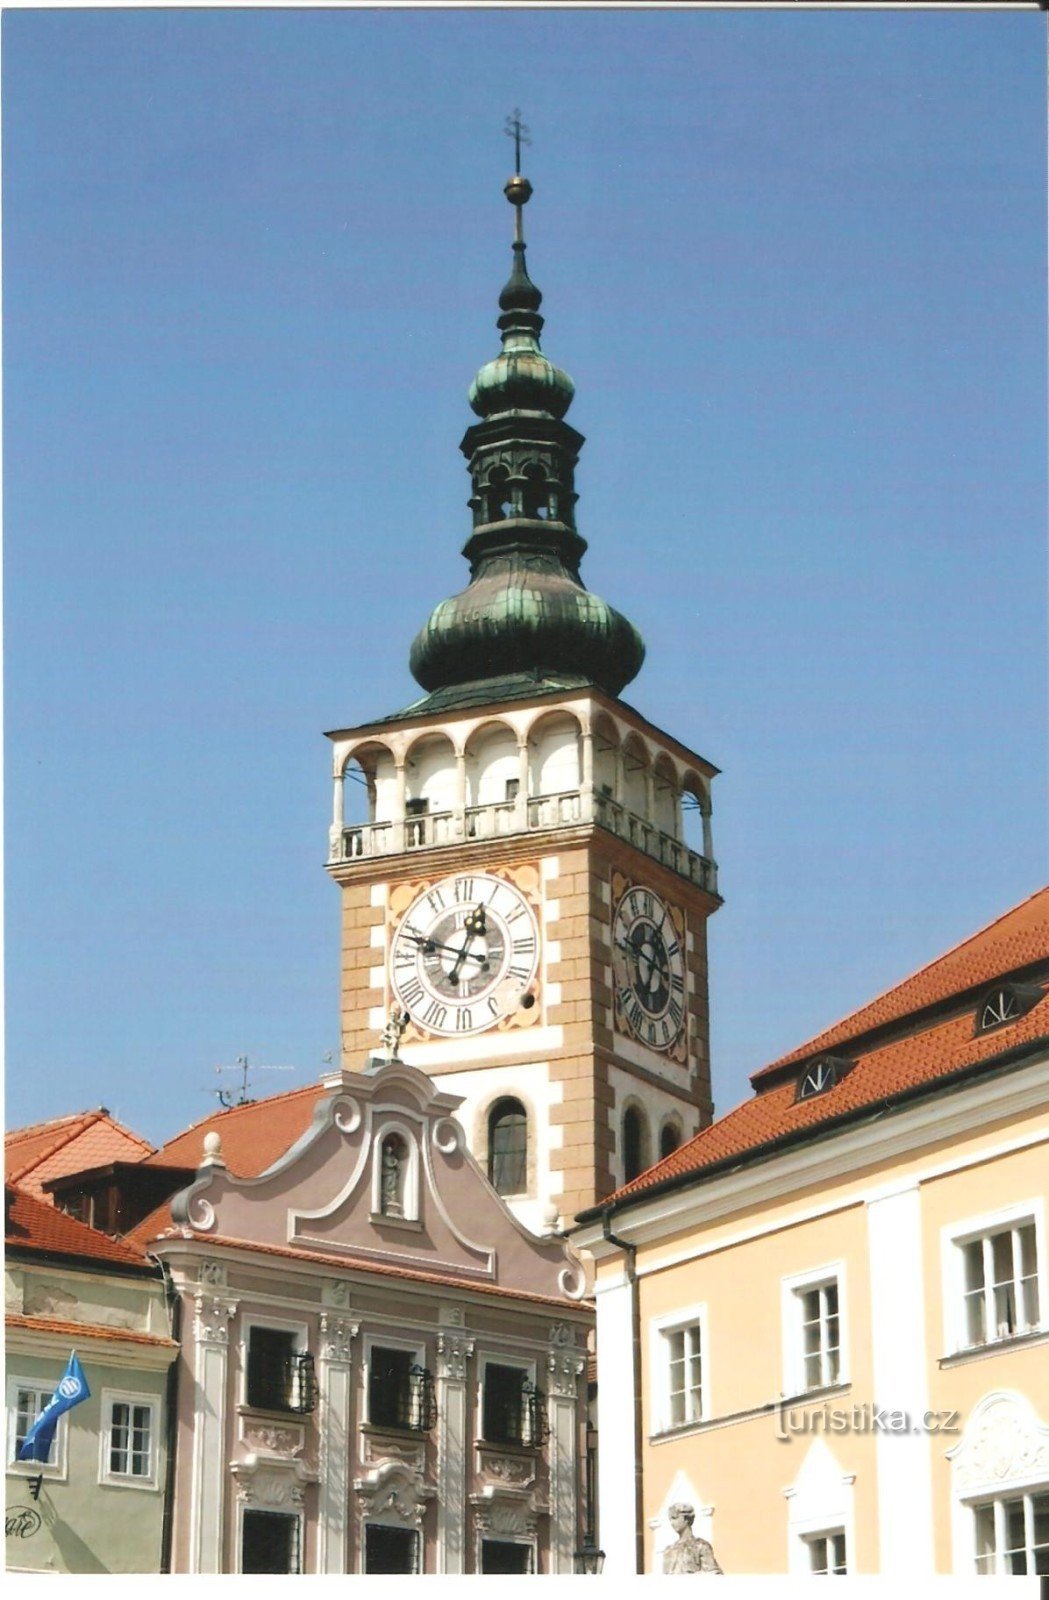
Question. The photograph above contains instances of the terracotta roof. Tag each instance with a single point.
(934, 1048)
(1015, 940)
(34, 1226)
(253, 1135)
(350, 1263)
(85, 1330)
(68, 1144)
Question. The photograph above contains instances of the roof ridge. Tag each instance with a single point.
(798, 1053)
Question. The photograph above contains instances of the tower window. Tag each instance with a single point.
(508, 1147)
(634, 1155)
(669, 1139)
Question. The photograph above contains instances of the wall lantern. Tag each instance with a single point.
(589, 1560)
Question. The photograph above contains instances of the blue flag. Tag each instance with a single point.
(72, 1388)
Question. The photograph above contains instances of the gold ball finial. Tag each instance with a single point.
(518, 190)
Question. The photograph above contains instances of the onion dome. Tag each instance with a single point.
(526, 611)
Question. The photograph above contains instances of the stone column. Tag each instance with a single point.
(207, 1497)
(564, 1368)
(400, 802)
(338, 815)
(708, 836)
(454, 1350)
(460, 794)
(335, 1389)
(521, 816)
(586, 776)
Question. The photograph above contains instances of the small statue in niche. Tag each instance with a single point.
(394, 1161)
(688, 1554)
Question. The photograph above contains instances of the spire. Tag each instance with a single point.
(526, 613)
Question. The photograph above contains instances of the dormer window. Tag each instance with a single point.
(821, 1075)
(1005, 1003)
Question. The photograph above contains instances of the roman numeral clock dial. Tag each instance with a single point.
(465, 955)
(648, 963)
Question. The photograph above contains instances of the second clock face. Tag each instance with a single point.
(464, 954)
(649, 967)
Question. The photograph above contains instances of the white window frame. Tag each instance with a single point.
(128, 1480)
(953, 1239)
(1023, 1494)
(381, 1341)
(810, 1539)
(257, 1319)
(57, 1471)
(660, 1330)
(495, 1358)
(411, 1177)
(791, 1290)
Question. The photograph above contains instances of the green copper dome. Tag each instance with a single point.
(526, 610)
(524, 613)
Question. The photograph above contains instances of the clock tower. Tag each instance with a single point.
(522, 884)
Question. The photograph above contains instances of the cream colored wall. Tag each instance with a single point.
(734, 1267)
(743, 1467)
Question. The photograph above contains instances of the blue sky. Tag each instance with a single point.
(795, 264)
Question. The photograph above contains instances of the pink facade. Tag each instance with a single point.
(381, 1369)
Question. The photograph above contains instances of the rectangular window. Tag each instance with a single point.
(820, 1327)
(271, 1542)
(400, 1390)
(500, 1555)
(393, 1550)
(132, 1427)
(280, 1377)
(28, 1402)
(1000, 1279)
(827, 1552)
(513, 1408)
(684, 1375)
(1012, 1535)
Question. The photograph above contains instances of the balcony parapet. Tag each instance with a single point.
(538, 814)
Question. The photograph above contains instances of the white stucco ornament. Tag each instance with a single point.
(1004, 1442)
(212, 1150)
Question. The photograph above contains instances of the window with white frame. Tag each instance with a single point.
(130, 1433)
(820, 1328)
(827, 1552)
(677, 1356)
(813, 1306)
(1000, 1275)
(1011, 1535)
(26, 1399)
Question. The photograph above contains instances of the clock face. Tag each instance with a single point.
(649, 967)
(464, 954)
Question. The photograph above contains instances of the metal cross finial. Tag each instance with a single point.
(517, 131)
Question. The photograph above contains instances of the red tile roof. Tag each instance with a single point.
(68, 1144)
(933, 1048)
(41, 1229)
(253, 1135)
(85, 1330)
(1011, 942)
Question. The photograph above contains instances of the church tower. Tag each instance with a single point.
(523, 887)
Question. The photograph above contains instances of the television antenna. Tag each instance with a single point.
(243, 1066)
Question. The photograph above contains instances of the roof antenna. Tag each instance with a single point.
(225, 1096)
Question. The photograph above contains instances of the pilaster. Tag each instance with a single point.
(454, 1350)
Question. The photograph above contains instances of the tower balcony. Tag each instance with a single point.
(571, 808)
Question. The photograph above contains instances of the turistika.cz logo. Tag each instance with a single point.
(793, 1419)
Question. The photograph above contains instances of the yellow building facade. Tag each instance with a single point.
(831, 1306)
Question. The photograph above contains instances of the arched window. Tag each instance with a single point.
(392, 1178)
(669, 1139)
(508, 1147)
(633, 1143)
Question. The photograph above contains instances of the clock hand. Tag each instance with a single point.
(473, 927)
(431, 946)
